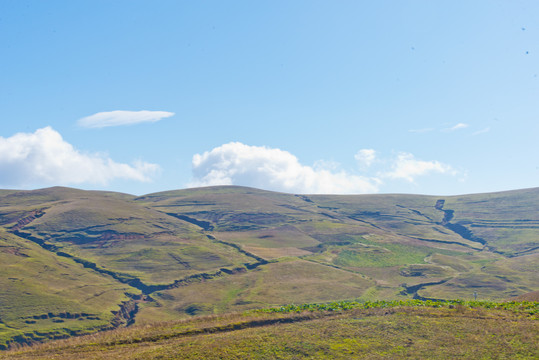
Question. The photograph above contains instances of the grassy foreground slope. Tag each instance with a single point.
(79, 261)
(338, 331)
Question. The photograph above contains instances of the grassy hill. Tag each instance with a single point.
(76, 262)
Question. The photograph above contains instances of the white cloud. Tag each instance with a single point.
(272, 169)
(329, 165)
(407, 167)
(43, 157)
(483, 131)
(459, 126)
(121, 117)
(421, 131)
(456, 127)
(365, 157)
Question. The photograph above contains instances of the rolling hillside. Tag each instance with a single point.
(76, 262)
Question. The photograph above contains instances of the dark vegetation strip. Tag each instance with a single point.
(194, 203)
(458, 229)
(331, 266)
(520, 253)
(417, 212)
(508, 226)
(377, 216)
(441, 241)
(506, 222)
(197, 278)
(206, 225)
(366, 222)
(216, 329)
(305, 198)
(465, 233)
(260, 260)
(413, 289)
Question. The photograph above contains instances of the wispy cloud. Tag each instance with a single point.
(44, 157)
(459, 126)
(407, 167)
(483, 131)
(272, 169)
(421, 131)
(122, 117)
(456, 127)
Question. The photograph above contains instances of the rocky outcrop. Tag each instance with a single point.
(126, 315)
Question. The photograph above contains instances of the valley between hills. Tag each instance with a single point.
(77, 262)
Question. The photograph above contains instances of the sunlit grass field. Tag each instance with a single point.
(343, 330)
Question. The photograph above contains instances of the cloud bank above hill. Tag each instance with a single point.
(44, 157)
(272, 169)
(122, 117)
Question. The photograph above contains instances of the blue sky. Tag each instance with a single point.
(428, 97)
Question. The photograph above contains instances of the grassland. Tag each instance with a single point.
(381, 330)
(45, 296)
(76, 262)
